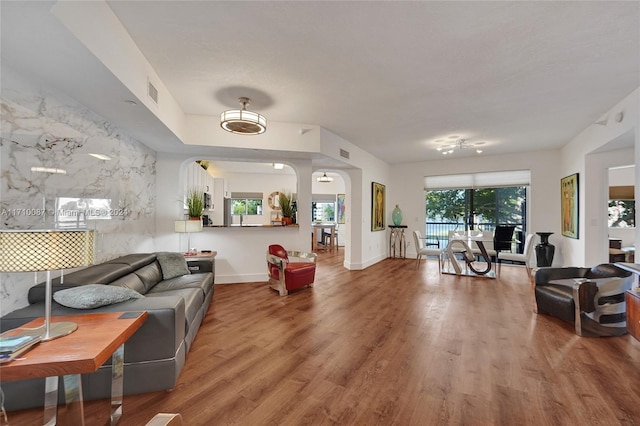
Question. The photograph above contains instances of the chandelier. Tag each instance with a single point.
(242, 121)
(324, 178)
(460, 144)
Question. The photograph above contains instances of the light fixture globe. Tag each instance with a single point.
(242, 121)
(324, 178)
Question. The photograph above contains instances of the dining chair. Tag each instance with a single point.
(518, 257)
(422, 250)
(503, 237)
(487, 240)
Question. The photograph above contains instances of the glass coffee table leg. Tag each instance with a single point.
(73, 398)
(117, 377)
(50, 400)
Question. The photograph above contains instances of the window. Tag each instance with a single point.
(246, 203)
(476, 201)
(323, 211)
(622, 213)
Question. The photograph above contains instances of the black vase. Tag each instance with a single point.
(545, 250)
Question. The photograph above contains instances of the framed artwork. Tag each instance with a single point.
(377, 206)
(340, 208)
(569, 205)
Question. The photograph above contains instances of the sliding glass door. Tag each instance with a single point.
(475, 209)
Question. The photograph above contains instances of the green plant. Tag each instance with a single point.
(195, 202)
(285, 201)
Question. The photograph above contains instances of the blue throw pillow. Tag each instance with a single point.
(92, 296)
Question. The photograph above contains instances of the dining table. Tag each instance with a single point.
(318, 236)
(462, 260)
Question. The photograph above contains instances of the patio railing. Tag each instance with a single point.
(437, 233)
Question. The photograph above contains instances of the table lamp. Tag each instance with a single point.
(46, 250)
(188, 226)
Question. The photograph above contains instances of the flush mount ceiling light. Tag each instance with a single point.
(324, 178)
(460, 145)
(278, 166)
(242, 121)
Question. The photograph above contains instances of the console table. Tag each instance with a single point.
(98, 337)
(397, 244)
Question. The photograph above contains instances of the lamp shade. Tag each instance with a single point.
(45, 250)
(188, 226)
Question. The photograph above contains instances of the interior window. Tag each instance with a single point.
(246, 206)
(323, 211)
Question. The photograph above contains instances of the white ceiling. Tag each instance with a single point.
(390, 77)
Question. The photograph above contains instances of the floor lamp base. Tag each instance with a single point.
(56, 329)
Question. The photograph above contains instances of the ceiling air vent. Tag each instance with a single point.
(344, 154)
(152, 92)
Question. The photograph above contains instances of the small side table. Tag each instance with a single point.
(632, 298)
(397, 243)
(98, 337)
(201, 262)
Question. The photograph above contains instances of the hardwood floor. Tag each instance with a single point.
(391, 346)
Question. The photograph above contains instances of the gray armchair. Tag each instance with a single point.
(592, 299)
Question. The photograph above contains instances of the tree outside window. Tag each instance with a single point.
(246, 206)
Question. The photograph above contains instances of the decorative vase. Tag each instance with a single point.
(396, 216)
(545, 250)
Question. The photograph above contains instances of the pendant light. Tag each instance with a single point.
(242, 121)
(324, 178)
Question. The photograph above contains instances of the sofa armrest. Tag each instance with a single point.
(162, 333)
(544, 275)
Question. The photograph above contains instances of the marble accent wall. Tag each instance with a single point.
(116, 197)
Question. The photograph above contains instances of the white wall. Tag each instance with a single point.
(591, 246)
(543, 210)
(42, 127)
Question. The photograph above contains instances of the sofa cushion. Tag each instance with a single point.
(172, 265)
(150, 275)
(131, 281)
(94, 295)
(100, 274)
(135, 260)
(193, 300)
(202, 281)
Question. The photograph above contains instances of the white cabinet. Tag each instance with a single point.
(197, 177)
(220, 192)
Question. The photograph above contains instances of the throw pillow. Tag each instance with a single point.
(92, 296)
(172, 265)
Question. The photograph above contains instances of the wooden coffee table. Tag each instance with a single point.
(98, 337)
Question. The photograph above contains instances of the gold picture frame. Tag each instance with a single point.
(569, 206)
(378, 196)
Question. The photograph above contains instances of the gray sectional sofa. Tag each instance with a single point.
(156, 353)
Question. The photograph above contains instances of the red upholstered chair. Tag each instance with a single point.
(285, 275)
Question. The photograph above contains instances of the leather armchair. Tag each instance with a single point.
(590, 298)
(285, 275)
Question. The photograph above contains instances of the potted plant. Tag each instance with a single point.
(285, 201)
(195, 203)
